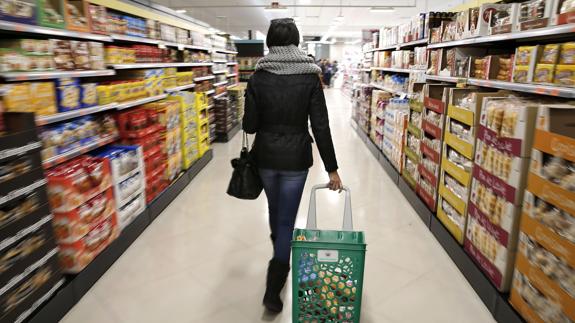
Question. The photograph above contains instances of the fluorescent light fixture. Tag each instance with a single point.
(382, 9)
(181, 11)
(353, 42)
(339, 18)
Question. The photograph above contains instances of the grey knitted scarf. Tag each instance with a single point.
(285, 60)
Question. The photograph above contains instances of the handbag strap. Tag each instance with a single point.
(245, 140)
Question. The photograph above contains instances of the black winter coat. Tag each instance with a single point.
(277, 109)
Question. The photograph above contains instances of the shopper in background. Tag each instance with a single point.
(282, 94)
(327, 74)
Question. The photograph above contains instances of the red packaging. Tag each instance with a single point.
(70, 227)
(76, 256)
(77, 181)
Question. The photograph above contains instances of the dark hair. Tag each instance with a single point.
(282, 32)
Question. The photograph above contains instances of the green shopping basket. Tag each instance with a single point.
(327, 269)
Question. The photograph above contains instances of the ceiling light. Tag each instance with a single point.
(353, 42)
(276, 6)
(339, 18)
(382, 9)
(181, 11)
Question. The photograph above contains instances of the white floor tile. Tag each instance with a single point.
(204, 258)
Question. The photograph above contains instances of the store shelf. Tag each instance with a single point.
(450, 79)
(225, 51)
(156, 65)
(219, 72)
(233, 75)
(221, 61)
(217, 96)
(551, 90)
(548, 33)
(78, 285)
(391, 69)
(495, 302)
(56, 160)
(39, 30)
(399, 46)
(231, 63)
(44, 120)
(181, 88)
(543, 89)
(378, 154)
(204, 78)
(225, 137)
(414, 43)
(129, 104)
(221, 83)
(381, 87)
(135, 39)
(47, 75)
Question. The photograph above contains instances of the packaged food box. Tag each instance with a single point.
(97, 16)
(131, 210)
(508, 123)
(453, 220)
(75, 15)
(544, 73)
(72, 226)
(488, 251)
(533, 305)
(77, 181)
(13, 60)
(68, 98)
(504, 19)
(76, 256)
(17, 97)
(21, 11)
(51, 13)
(123, 160)
(535, 14)
(563, 12)
(89, 94)
(564, 75)
(38, 282)
(25, 243)
(126, 190)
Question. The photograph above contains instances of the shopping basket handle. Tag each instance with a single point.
(347, 217)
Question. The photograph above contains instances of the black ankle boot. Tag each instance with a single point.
(276, 278)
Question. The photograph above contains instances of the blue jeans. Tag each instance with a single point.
(283, 190)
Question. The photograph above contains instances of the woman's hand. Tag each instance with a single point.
(335, 182)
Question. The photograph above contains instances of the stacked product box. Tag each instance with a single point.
(435, 101)
(413, 136)
(458, 155)
(128, 181)
(503, 148)
(29, 271)
(236, 94)
(212, 121)
(226, 115)
(141, 127)
(543, 287)
(188, 126)
(168, 112)
(380, 99)
(84, 209)
(202, 121)
(396, 115)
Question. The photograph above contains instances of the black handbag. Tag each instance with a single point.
(246, 183)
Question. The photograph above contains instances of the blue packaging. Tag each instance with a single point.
(88, 95)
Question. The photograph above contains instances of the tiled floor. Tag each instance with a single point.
(204, 258)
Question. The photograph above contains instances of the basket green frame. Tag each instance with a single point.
(327, 271)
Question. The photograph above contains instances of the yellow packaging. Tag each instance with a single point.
(521, 74)
(17, 98)
(567, 56)
(550, 54)
(523, 55)
(565, 75)
(104, 94)
(544, 73)
(43, 97)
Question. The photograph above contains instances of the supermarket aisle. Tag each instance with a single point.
(204, 258)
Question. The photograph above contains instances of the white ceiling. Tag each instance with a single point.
(316, 21)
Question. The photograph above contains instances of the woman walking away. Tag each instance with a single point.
(284, 92)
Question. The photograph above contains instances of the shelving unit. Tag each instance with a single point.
(56, 160)
(391, 69)
(156, 65)
(7, 26)
(204, 78)
(221, 83)
(129, 104)
(181, 88)
(44, 120)
(48, 75)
